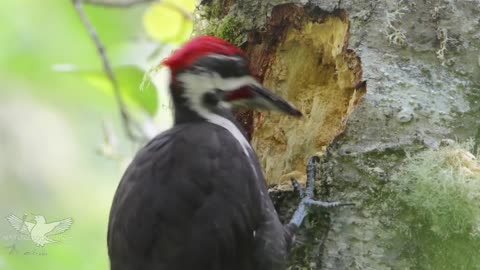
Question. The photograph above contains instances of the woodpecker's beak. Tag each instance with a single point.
(258, 97)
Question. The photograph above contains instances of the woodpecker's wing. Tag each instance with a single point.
(189, 200)
(20, 225)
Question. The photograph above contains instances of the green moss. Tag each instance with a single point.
(229, 29)
(211, 29)
(212, 10)
(435, 205)
(306, 253)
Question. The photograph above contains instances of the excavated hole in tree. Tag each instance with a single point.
(302, 56)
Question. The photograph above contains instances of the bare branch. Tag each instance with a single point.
(130, 3)
(128, 123)
(182, 11)
(117, 3)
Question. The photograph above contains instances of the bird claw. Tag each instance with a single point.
(327, 205)
(306, 194)
(296, 187)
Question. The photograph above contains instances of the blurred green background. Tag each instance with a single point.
(56, 160)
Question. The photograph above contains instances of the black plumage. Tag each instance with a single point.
(195, 196)
(194, 202)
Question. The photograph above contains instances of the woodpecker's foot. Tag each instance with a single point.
(306, 195)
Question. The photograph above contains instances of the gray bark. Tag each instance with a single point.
(421, 61)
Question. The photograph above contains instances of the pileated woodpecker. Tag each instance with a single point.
(195, 197)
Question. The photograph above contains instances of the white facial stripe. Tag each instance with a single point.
(207, 81)
(226, 57)
(229, 84)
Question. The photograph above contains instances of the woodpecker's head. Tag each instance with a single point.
(209, 73)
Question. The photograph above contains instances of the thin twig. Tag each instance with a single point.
(130, 3)
(180, 9)
(128, 123)
(117, 3)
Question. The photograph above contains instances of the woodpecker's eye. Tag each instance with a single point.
(211, 99)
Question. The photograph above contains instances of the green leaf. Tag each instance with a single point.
(130, 80)
(166, 21)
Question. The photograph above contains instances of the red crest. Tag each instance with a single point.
(197, 47)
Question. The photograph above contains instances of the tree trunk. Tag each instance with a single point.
(422, 64)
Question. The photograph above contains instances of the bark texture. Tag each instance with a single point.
(422, 63)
